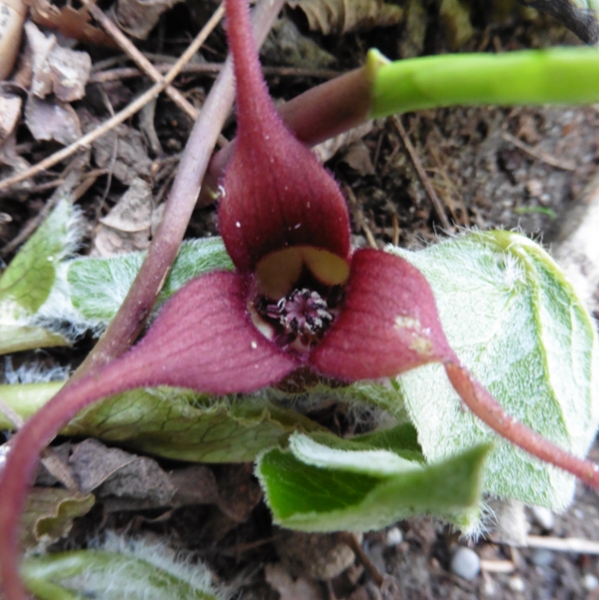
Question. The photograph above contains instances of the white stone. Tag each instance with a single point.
(516, 584)
(543, 517)
(394, 537)
(590, 582)
(465, 563)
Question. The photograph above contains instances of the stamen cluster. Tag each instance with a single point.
(299, 319)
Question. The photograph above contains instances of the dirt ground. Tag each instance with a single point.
(490, 167)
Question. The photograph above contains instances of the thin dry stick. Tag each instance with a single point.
(576, 545)
(120, 117)
(422, 174)
(140, 60)
(209, 68)
(566, 165)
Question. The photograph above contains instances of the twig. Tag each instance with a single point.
(352, 541)
(119, 37)
(577, 545)
(69, 178)
(209, 69)
(439, 209)
(395, 240)
(497, 566)
(120, 117)
(130, 318)
(565, 165)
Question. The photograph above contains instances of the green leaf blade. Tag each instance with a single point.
(316, 487)
(517, 324)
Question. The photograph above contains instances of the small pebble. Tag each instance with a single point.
(394, 537)
(489, 588)
(543, 517)
(465, 563)
(516, 584)
(542, 557)
(590, 582)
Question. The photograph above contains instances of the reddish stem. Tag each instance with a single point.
(33, 437)
(488, 410)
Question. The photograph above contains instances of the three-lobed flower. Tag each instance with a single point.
(300, 298)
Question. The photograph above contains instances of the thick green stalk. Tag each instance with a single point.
(555, 76)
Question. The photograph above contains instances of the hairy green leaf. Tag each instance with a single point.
(173, 423)
(364, 484)
(517, 324)
(136, 570)
(27, 283)
(99, 285)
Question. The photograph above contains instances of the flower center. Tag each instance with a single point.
(299, 319)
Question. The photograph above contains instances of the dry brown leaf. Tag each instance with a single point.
(320, 556)
(357, 156)
(57, 70)
(195, 484)
(12, 17)
(138, 17)
(10, 158)
(10, 110)
(290, 589)
(92, 463)
(455, 15)
(239, 491)
(341, 16)
(69, 22)
(327, 149)
(128, 226)
(285, 45)
(49, 514)
(52, 120)
(122, 151)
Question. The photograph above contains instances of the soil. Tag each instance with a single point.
(491, 167)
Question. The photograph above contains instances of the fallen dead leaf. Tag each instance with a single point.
(239, 491)
(285, 45)
(71, 23)
(10, 110)
(357, 156)
(10, 158)
(128, 226)
(93, 463)
(49, 120)
(121, 151)
(195, 484)
(12, 17)
(313, 555)
(290, 589)
(114, 472)
(341, 16)
(57, 70)
(49, 514)
(137, 18)
(327, 149)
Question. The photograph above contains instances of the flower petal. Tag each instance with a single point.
(274, 194)
(388, 322)
(204, 339)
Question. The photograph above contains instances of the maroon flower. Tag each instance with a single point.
(299, 298)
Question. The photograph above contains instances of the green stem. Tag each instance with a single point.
(555, 76)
